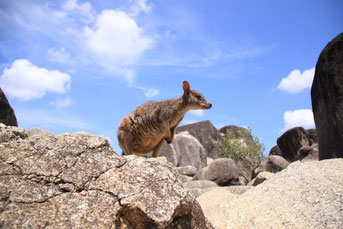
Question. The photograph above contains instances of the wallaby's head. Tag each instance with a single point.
(193, 99)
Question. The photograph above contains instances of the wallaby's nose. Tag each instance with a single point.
(210, 105)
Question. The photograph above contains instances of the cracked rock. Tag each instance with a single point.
(78, 181)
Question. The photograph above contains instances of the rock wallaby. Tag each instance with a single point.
(150, 124)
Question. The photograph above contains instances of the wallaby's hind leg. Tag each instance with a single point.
(157, 149)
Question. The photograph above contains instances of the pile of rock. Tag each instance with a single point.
(78, 181)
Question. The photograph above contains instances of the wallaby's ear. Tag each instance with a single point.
(186, 87)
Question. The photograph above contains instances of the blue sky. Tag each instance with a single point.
(75, 65)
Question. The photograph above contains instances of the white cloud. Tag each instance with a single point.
(302, 117)
(59, 56)
(148, 92)
(61, 103)
(116, 40)
(83, 10)
(296, 81)
(140, 6)
(25, 81)
(198, 113)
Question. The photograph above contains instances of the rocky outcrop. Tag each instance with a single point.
(260, 178)
(187, 170)
(189, 151)
(309, 153)
(272, 164)
(207, 135)
(7, 115)
(218, 195)
(222, 171)
(327, 102)
(169, 153)
(185, 150)
(78, 181)
(304, 195)
(275, 151)
(198, 187)
(291, 141)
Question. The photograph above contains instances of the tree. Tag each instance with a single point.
(243, 148)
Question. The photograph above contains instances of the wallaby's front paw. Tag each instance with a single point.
(168, 141)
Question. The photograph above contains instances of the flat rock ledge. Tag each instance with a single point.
(78, 181)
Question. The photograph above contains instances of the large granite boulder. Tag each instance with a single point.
(217, 195)
(272, 164)
(260, 178)
(169, 153)
(327, 102)
(223, 171)
(185, 150)
(189, 151)
(78, 181)
(198, 187)
(312, 136)
(7, 115)
(207, 135)
(275, 151)
(187, 170)
(304, 195)
(291, 141)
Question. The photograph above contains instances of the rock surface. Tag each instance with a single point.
(7, 115)
(77, 181)
(217, 195)
(327, 102)
(275, 151)
(222, 171)
(185, 150)
(207, 135)
(291, 141)
(169, 153)
(305, 195)
(199, 187)
(272, 164)
(187, 170)
(309, 153)
(260, 178)
(189, 151)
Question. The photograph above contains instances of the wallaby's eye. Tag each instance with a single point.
(198, 96)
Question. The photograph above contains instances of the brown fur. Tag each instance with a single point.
(150, 124)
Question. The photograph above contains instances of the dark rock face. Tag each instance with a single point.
(312, 136)
(78, 181)
(291, 141)
(207, 135)
(327, 99)
(7, 115)
(309, 153)
(275, 151)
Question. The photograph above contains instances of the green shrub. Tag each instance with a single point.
(243, 148)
